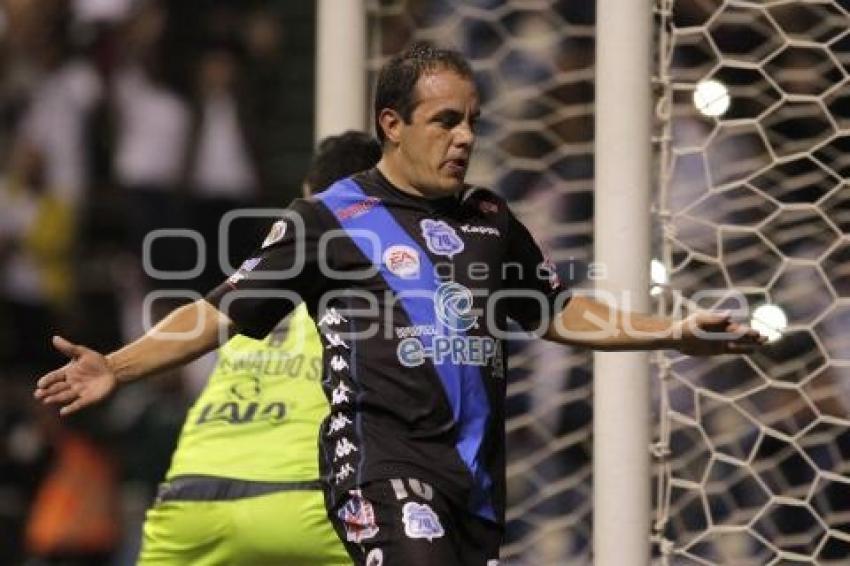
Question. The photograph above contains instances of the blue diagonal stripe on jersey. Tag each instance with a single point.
(462, 383)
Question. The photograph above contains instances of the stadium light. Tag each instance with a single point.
(770, 320)
(711, 98)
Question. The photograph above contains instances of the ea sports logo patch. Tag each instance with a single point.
(402, 261)
(441, 238)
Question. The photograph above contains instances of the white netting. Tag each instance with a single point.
(533, 61)
(755, 451)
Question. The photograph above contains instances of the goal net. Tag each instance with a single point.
(752, 201)
(753, 158)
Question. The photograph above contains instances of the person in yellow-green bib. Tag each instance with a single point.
(243, 487)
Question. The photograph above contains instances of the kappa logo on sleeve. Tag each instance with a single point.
(358, 517)
(344, 448)
(420, 521)
(345, 471)
(441, 238)
(337, 423)
(339, 395)
(276, 234)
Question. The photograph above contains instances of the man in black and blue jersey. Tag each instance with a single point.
(411, 276)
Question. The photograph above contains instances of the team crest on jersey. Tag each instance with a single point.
(420, 521)
(402, 261)
(375, 557)
(441, 238)
(276, 234)
(358, 517)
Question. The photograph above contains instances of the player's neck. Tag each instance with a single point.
(394, 169)
(393, 173)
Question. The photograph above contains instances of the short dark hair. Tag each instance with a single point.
(340, 156)
(398, 77)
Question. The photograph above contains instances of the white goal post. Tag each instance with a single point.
(622, 196)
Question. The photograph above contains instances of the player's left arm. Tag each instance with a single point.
(587, 322)
(572, 318)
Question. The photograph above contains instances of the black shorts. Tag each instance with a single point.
(407, 523)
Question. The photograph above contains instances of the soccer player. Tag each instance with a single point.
(243, 486)
(410, 275)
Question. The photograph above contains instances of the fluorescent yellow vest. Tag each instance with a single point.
(259, 415)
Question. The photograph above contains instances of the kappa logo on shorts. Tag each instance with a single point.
(402, 261)
(420, 521)
(375, 557)
(358, 517)
(441, 238)
(276, 234)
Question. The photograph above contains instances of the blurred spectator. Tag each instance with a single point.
(36, 230)
(278, 85)
(24, 455)
(99, 144)
(55, 122)
(74, 516)
(152, 129)
(221, 164)
(46, 181)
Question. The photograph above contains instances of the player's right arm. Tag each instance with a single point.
(187, 333)
(266, 288)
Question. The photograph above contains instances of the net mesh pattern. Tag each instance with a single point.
(753, 451)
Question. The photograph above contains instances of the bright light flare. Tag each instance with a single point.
(711, 98)
(770, 320)
(658, 272)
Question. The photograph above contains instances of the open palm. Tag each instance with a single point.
(709, 334)
(84, 380)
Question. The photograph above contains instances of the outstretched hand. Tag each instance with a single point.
(84, 380)
(710, 334)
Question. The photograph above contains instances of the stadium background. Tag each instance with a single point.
(750, 451)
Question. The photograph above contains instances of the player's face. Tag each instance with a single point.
(436, 146)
